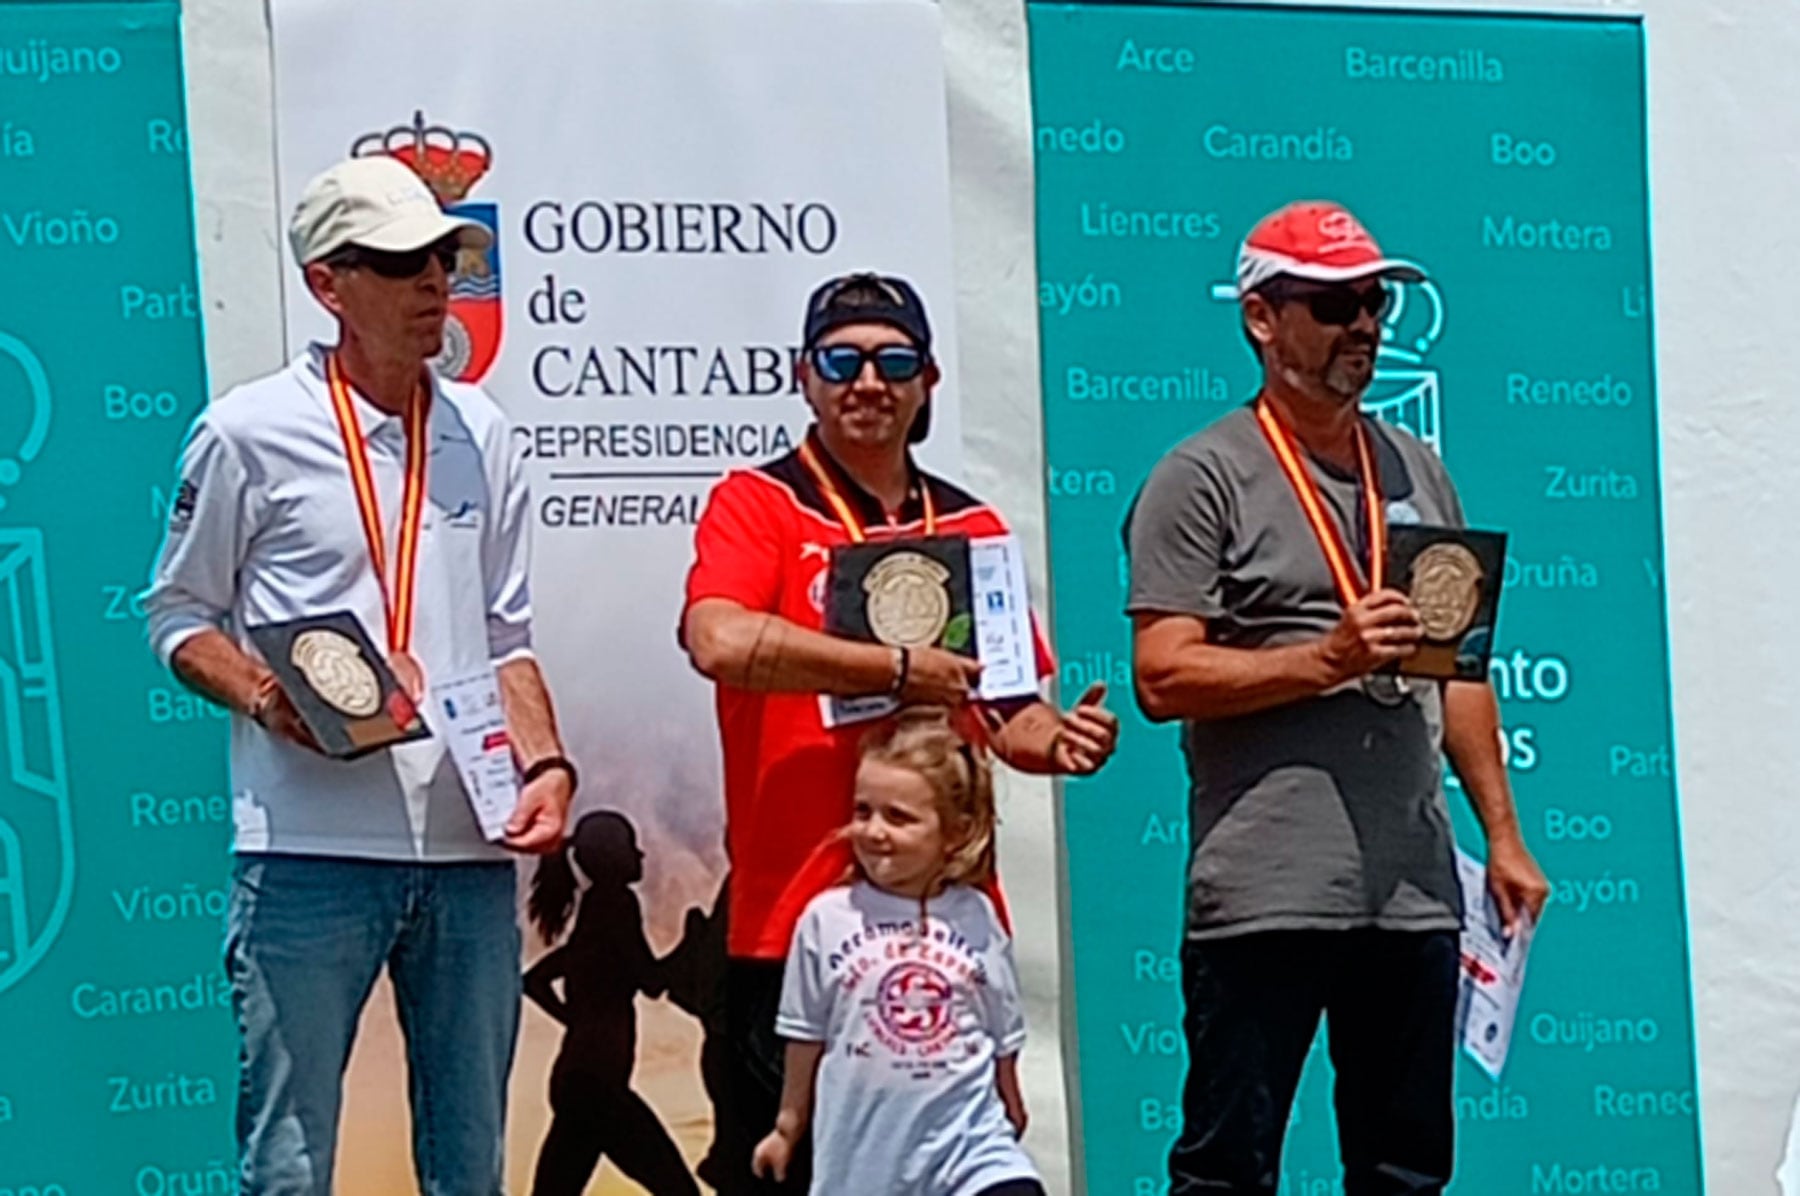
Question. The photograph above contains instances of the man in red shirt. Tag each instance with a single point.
(754, 624)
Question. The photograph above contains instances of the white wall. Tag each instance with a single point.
(1725, 118)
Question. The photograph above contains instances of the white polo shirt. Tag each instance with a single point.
(264, 527)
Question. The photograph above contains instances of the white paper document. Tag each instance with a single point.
(1003, 639)
(474, 725)
(1493, 970)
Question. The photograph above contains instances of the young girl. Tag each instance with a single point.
(900, 999)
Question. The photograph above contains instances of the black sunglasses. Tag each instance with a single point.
(389, 263)
(895, 363)
(1337, 305)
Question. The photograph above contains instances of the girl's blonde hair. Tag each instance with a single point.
(922, 741)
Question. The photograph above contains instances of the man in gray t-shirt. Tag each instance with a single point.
(1322, 880)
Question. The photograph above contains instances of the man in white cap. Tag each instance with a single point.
(1322, 881)
(356, 480)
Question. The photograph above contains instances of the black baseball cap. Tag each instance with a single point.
(866, 298)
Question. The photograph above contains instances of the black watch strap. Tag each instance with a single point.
(550, 764)
(902, 668)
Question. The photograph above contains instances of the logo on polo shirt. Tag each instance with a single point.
(815, 590)
(181, 511)
(451, 162)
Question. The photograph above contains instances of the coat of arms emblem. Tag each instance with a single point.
(451, 162)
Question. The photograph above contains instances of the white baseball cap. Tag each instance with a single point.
(376, 202)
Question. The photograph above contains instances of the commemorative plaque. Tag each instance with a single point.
(1453, 576)
(345, 693)
(908, 593)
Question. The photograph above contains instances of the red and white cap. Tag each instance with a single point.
(1316, 240)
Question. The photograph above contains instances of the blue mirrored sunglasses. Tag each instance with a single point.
(894, 363)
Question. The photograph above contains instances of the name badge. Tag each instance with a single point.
(475, 730)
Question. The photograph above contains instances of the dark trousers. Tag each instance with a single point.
(1253, 1006)
(752, 1090)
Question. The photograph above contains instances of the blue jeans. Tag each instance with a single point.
(306, 937)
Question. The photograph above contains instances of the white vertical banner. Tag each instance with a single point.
(667, 180)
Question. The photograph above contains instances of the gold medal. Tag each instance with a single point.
(334, 666)
(1446, 589)
(908, 606)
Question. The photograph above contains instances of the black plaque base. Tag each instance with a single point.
(1453, 576)
(345, 692)
(894, 592)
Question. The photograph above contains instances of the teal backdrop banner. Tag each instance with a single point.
(1507, 155)
(115, 1050)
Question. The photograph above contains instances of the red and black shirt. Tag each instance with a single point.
(764, 542)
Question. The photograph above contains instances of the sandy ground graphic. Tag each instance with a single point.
(375, 1152)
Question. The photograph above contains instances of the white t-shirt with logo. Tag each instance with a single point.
(912, 1022)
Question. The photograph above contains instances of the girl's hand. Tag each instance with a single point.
(1015, 1113)
(1012, 1097)
(772, 1156)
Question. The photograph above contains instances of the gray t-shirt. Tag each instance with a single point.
(1324, 813)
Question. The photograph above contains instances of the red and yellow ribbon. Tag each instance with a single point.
(1325, 528)
(398, 600)
(839, 504)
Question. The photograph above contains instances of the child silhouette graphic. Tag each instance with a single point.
(604, 964)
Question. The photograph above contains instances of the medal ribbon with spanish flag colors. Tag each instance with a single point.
(397, 600)
(1324, 527)
(852, 525)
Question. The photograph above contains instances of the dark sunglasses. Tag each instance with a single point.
(1338, 305)
(402, 264)
(895, 363)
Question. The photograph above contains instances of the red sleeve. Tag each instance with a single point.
(1046, 659)
(992, 889)
(831, 863)
(737, 546)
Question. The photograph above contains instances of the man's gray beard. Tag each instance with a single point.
(1338, 381)
(1345, 389)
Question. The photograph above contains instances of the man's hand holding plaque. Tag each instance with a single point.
(275, 713)
(344, 697)
(914, 594)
